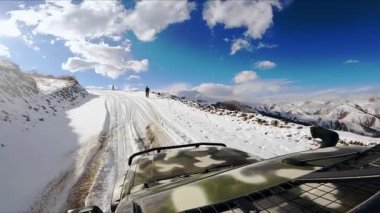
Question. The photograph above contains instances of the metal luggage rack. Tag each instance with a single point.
(316, 194)
(159, 149)
(301, 197)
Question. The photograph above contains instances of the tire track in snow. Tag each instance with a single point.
(134, 125)
(80, 190)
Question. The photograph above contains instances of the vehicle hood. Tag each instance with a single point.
(233, 183)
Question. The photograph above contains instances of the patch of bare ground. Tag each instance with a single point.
(156, 135)
(152, 138)
(81, 188)
(342, 115)
(152, 135)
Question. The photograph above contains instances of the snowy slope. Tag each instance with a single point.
(359, 115)
(27, 101)
(40, 136)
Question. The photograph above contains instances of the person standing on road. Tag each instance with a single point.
(147, 91)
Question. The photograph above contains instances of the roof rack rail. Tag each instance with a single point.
(158, 149)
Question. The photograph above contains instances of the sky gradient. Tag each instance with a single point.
(273, 47)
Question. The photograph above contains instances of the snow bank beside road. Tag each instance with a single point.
(87, 121)
(48, 129)
(32, 159)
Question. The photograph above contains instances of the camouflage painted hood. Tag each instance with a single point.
(211, 188)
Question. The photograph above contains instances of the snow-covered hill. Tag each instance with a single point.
(30, 99)
(358, 115)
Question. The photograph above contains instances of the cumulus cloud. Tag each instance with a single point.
(245, 76)
(9, 28)
(111, 61)
(75, 64)
(256, 15)
(89, 20)
(214, 90)
(351, 61)
(151, 17)
(264, 65)
(70, 21)
(239, 44)
(177, 88)
(248, 91)
(4, 51)
(84, 26)
(247, 86)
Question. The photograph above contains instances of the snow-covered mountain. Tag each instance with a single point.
(358, 115)
(30, 98)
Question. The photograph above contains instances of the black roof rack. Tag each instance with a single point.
(158, 149)
(352, 185)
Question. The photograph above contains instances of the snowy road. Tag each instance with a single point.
(135, 123)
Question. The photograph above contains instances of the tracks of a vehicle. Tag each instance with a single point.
(133, 125)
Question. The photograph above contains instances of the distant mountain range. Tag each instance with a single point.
(358, 115)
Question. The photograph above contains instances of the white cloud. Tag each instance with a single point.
(177, 87)
(4, 51)
(247, 92)
(111, 61)
(75, 64)
(151, 17)
(245, 76)
(131, 88)
(91, 20)
(351, 61)
(81, 25)
(215, 90)
(238, 44)
(28, 39)
(9, 28)
(264, 65)
(247, 87)
(262, 45)
(133, 77)
(256, 15)
(70, 21)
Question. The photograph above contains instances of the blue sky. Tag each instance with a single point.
(233, 49)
